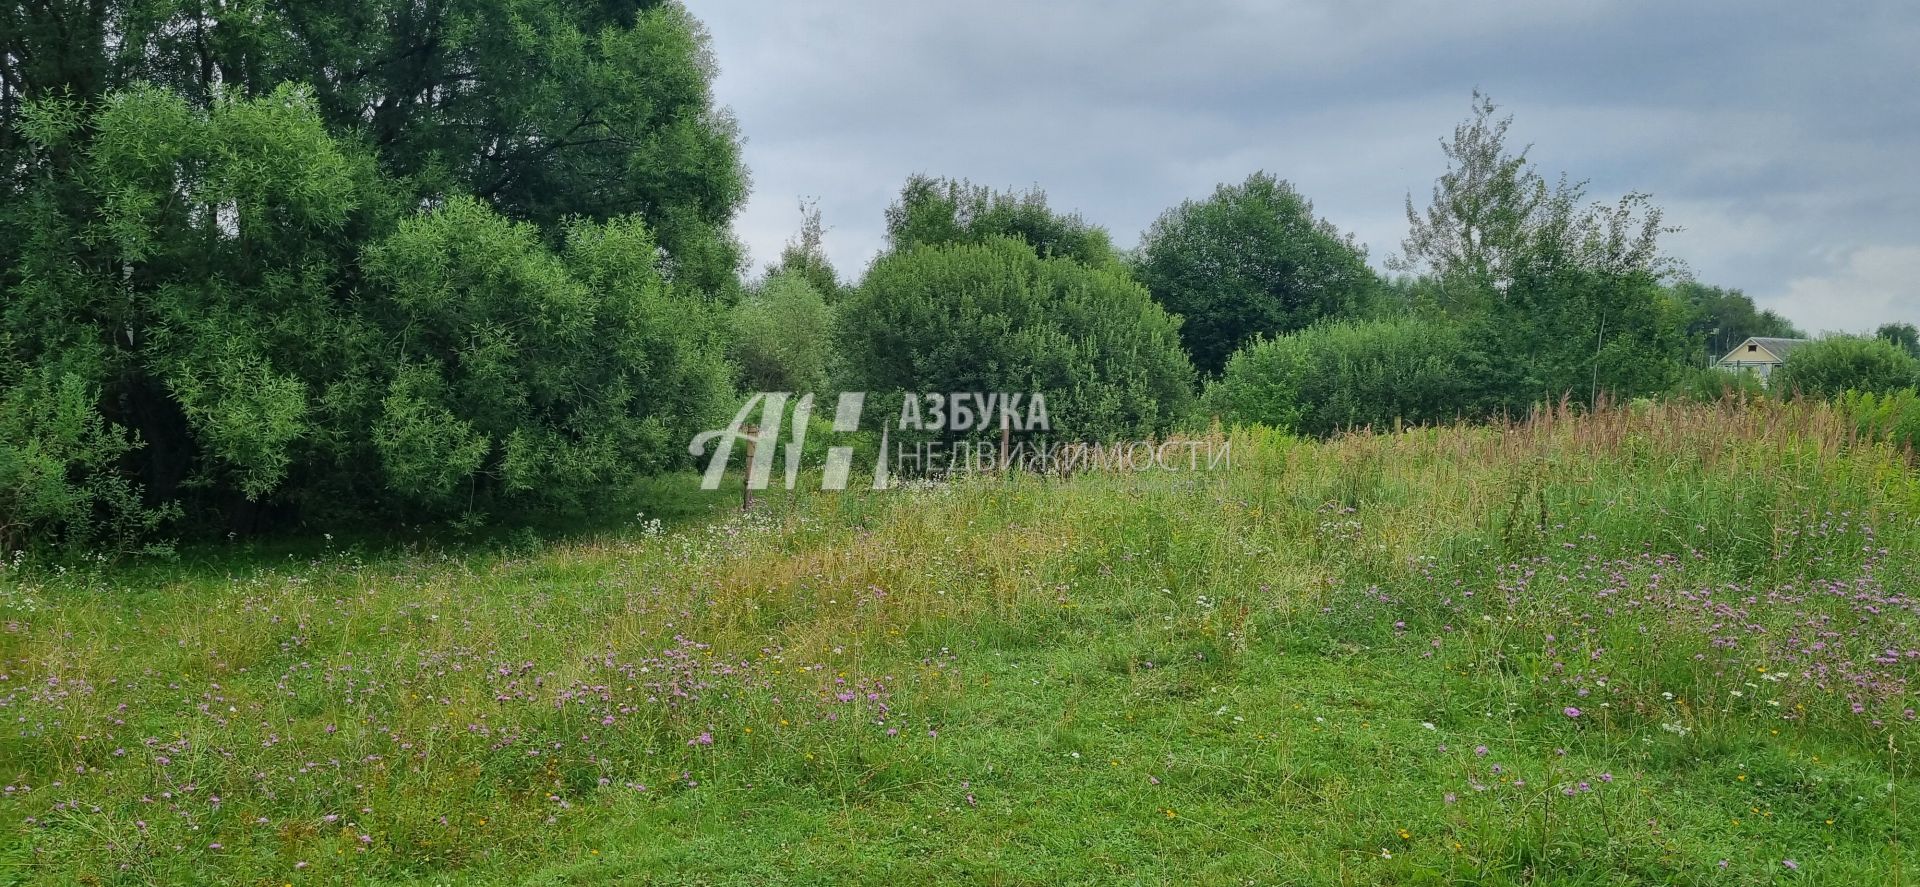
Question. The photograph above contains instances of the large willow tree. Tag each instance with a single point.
(394, 256)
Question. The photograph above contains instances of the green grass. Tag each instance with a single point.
(1273, 673)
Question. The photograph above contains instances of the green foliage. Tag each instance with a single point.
(366, 257)
(527, 373)
(1558, 298)
(425, 449)
(934, 211)
(1835, 364)
(781, 336)
(204, 253)
(1905, 335)
(1721, 319)
(544, 109)
(1574, 333)
(1341, 662)
(1249, 261)
(1892, 416)
(206, 244)
(1344, 375)
(1483, 209)
(1712, 384)
(245, 414)
(1494, 222)
(805, 255)
(59, 472)
(996, 317)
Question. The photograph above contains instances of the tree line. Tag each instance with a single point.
(1509, 291)
(394, 261)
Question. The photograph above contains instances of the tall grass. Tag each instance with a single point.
(1333, 662)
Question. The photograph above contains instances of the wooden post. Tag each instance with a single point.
(746, 477)
(1006, 436)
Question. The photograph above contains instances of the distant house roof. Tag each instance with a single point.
(1776, 350)
(1779, 347)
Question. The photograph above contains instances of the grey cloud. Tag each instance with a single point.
(1779, 135)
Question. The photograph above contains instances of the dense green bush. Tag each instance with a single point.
(256, 270)
(1579, 333)
(1343, 375)
(934, 211)
(1904, 335)
(269, 333)
(1250, 260)
(544, 109)
(995, 317)
(1893, 417)
(1711, 384)
(184, 266)
(521, 373)
(473, 366)
(1559, 298)
(59, 465)
(782, 336)
(1835, 364)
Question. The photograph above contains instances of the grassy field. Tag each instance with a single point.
(1661, 645)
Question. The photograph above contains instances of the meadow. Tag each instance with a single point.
(1654, 644)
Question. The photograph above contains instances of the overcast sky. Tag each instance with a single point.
(1784, 137)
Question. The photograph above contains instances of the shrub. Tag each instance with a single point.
(1573, 333)
(285, 342)
(1835, 364)
(59, 472)
(997, 317)
(1904, 335)
(189, 279)
(1343, 375)
(932, 212)
(782, 336)
(1711, 384)
(526, 375)
(1893, 417)
(1250, 260)
(207, 247)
